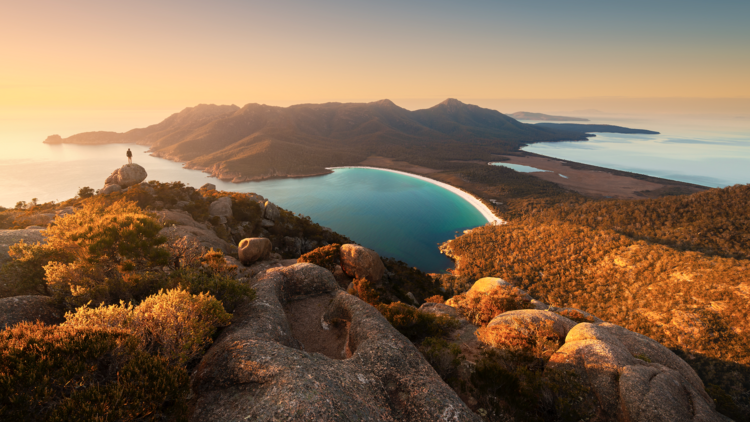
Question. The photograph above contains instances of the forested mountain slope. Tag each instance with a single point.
(675, 269)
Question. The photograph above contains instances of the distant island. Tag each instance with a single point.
(526, 115)
(258, 142)
(578, 128)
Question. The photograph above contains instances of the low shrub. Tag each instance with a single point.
(108, 248)
(75, 373)
(24, 273)
(173, 324)
(480, 307)
(325, 256)
(435, 299)
(537, 341)
(415, 324)
(444, 356)
(362, 288)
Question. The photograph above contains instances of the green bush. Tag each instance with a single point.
(50, 373)
(415, 324)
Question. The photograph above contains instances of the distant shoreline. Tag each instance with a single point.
(471, 199)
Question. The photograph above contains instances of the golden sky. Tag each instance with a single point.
(169, 54)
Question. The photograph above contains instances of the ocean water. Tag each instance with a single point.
(705, 151)
(396, 215)
(518, 167)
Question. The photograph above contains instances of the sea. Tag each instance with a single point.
(396, 215)
(707, 151)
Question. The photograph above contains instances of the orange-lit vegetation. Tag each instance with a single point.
(141, 313)
(480, 307)
(674, 269)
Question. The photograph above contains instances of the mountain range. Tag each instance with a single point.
(257, 141)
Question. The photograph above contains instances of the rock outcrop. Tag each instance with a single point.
(631, 377)
(208, 186)
(9, 238)
(127, 175)
(107, 189)
(221, 207)
(306, 351)
(254, 249)
(28, 308)
(271, 211)
(360, 262)
(525, 321)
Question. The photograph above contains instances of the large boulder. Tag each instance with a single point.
(271, 211)
(107, 189)
(221, 207)
(486, 284)
(526, 321)
(304, 350)
(127, 175)
(208, 186)
(360, 262)
(29, 308)
(9, 238)
(630, 377)
(254, 249)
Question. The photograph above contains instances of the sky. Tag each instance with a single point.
(103, 54)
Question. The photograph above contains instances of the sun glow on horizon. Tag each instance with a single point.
(167, 55)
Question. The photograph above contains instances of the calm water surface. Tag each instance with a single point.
(396, 215)
(714, 153)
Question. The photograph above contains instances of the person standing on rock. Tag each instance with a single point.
(130, 156)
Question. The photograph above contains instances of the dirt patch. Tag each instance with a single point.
(305, 317)
(387, 163)
(587, 182)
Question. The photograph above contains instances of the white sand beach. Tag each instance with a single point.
(471, 199)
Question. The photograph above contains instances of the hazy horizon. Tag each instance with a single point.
(170, 55)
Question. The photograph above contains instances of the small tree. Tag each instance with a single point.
(85, 192)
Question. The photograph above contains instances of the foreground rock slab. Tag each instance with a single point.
(259, 370)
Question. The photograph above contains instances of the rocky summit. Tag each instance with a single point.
(126, 176)
(327, 330)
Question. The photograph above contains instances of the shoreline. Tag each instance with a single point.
(466, 196)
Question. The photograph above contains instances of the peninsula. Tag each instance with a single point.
(526, 115)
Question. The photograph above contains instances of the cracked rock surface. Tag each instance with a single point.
(259, 370)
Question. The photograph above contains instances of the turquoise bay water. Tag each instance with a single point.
(396, 215)
(714, 153)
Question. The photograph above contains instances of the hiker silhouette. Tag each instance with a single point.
(130, 156)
